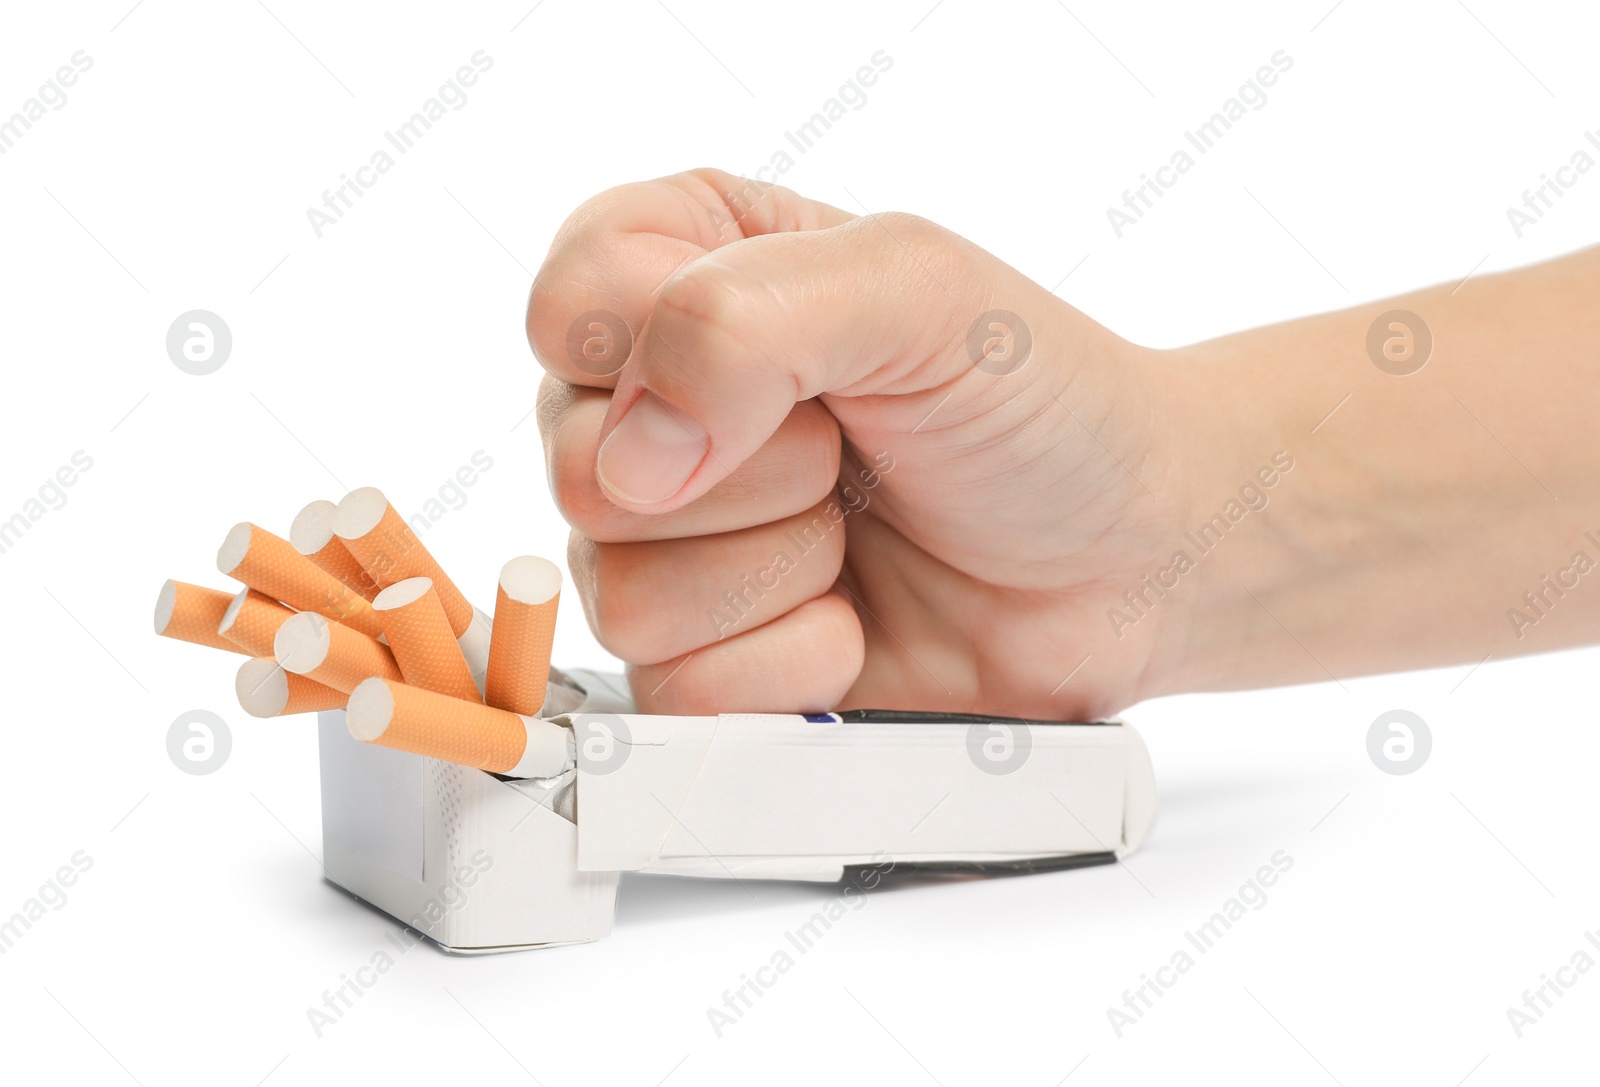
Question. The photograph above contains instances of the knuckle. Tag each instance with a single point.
(584, 560)
(821, 529)
(556, 398)
(580, 562)
(546, 334)
(571, 491)
(823, 450)
(908, 226)
(719, 181)
(569, 421)
(893, 236)
(704, 310)
(573, 488)
(611, 600)
(798, 466)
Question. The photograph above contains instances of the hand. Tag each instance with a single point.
(849, 461)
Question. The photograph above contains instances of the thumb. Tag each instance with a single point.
(886, 306)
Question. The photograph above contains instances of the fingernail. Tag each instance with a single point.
(651, 454)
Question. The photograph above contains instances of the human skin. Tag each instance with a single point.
(982, 509)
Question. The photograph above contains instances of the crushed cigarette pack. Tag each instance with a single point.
(482, 863)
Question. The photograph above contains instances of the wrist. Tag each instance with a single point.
(1420, 508)
(1258, 517)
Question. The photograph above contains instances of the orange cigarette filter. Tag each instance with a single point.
(421, 640)
(252, 621)
(311, 533)
(330, 653)
(266, 689)
(524, 628)
(440, 727)
(192, 613)
(390, 551)
(270, 565)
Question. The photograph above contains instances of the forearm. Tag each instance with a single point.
(1423, 509)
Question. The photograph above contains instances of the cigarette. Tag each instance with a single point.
(331, 654)
(192, 613)
(421, 640)
(252, 621)
(311, 533)
(524, 627)
(440, 727)
(390, 551)
(270, 565)
(266, 689)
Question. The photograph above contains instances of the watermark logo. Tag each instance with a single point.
(603, 741)
(1399, 342)
(1543, 997)
(599, 342)
(999, 747)
(340, 999)
(1252, 897)
(199, 742)
(451, 97)
(740, 1000)
(199, 342)
(51, 898)
(850, 98)
(999, 343)
(1541, 198)
(741, 601)
(1138, 200)
(1399, 742)
(1252, 497)
(451, 495)
(51, 495)
(1540, 600)
(51, 96)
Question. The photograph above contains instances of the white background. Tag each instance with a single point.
(177, 176)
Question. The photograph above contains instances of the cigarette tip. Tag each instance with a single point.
(262, 687)
(359, 512)
(370, 709)
(402, 593)
(234, 547)
(302, 642)
(529, 579)
(312, 527)
(166, 604)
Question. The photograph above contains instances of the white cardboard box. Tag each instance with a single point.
(479, 863)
